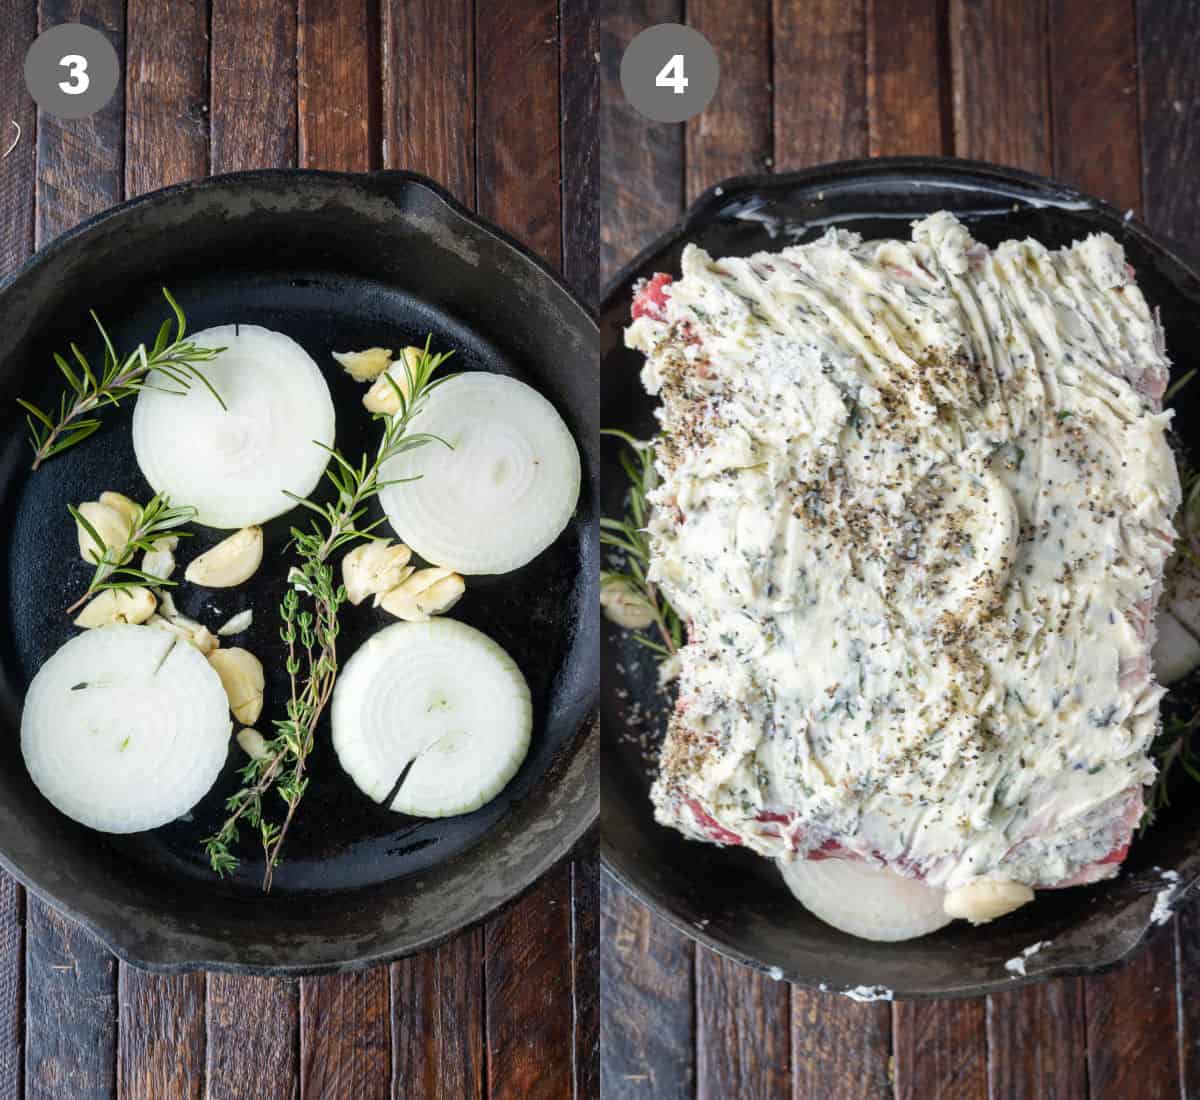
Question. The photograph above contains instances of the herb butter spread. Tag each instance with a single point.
(915, 501)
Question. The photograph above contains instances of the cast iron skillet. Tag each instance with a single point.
(337, 262)
(734, 901)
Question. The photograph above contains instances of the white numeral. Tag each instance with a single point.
(671, 75)
(76, 67)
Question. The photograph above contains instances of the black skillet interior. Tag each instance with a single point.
(337, 263)
(734, 901)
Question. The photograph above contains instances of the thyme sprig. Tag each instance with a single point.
(89, 390)
(148, 527)
(1172, 749)
(310, 623)
(628, 535)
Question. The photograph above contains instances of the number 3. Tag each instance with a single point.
(76, 67)
(671, 75)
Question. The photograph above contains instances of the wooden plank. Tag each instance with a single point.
(80, 162)
(1168, 44)
(429, 91)
(940, 1050)
(339, 87)
(743, 1030)
(345, 1036)
(1187, 970)
(166, 89)
(161, 1035)
(518, 177)
(642, 162)
(1093, 66)
(1001, 82)
(437, 1022)
(70, 1010)
(647, 973)
(251, 1038)
(732, 136)
(253, 73)
(840, 1049)
(585, 978)
(820, 82)
(527, 960)
(908, 78)
(579, 130)
(17, 113)
(1037, 1042)
(1133, 1026)
(12, 985)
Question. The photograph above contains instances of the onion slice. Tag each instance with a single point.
(506, 490)
(233, 465)
(434, 718)
(125, 728)
(873, 903)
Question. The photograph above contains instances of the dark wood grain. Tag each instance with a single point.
(160, 1033)
(251, 1038)
(840, 1050)
(1093, 66)
(1037, 1042)
(743, 1031)
(579, 129)
(642, 162)
(820, 82)
(908, 77)
(429, 91)
(518, 175)
(17, 111)
(648, 994)
(253, 74)
(345, 1036)
(12, 985)
(70, 1010)
(585, 962)
(1187, 980)
(527, 959)
(1001, 82)
(166, 90)
(732, 136)
(1133, 1027)
(940, 1050)
(437, 1022)
(338, 82)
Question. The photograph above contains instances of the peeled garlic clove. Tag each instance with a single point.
(439, 598)
(159, 563)
(382, 396)
(395, 578)
(242, 621)
(242, 676)
(111, 525)
(409, 601)
(365, 366)
(197, 636)
(254, 745)
(231, 562)
(375, 566)
(986, 899)
(204, 640)
(623, 606)
(117, 605)
(119, 502)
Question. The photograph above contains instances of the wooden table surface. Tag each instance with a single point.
(471, 95)
(1104, 94)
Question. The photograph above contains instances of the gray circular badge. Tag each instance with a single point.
(72, 70)
(670, 72)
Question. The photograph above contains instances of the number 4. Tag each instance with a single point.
(671, 75)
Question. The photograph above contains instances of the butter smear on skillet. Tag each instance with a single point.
(915, 501)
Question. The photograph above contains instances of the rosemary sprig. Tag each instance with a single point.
(628, 535)
(148, 527)
(173, 356)
(1173, 747)
(310, 626)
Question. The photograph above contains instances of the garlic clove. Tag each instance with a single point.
(984, 900)
(382, 398)
(118, 605)
(244, 681)
(623, 606)
(188, 631)
(395, 578)
(426, 593)
(159, 563)
(119, 502)
(374, 567)
(231, 562)
(253, 744)
(111, 525)
(365, 366)
(205, 640)
(441, 596)
(240, 622)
